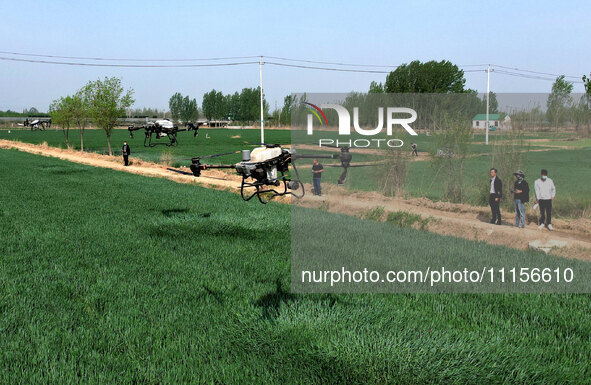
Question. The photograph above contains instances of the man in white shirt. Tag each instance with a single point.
(545, 193)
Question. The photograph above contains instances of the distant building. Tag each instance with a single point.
(494, 121)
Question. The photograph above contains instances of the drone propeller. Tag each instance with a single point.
(191, 174)
(215, 155)
(343, 175)
(268, 145)
(351, 165)
(333, 146)
(210, 156)
(179, 171)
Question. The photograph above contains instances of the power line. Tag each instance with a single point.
(526, 76)
(331, 63)
(213, 59)
(129, 59)
(339, 69)
(535, 72)
(326, 68)
(325, 65)
(128, 65)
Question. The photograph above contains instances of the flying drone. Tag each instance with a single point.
(37, 124)
(265, 169)
(161, 129)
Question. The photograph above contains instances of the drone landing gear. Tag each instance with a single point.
(148, 141)
(288, 184)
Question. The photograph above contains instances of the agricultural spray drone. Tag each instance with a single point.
(265, 169)
(163, 129)
(37, 124)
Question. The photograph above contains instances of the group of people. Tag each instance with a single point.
(544, 191)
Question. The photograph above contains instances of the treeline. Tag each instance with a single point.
(243, 107)
(146, 112)
(27, 113)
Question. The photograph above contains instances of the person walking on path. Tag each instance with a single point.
(545, 193)
(494, 199)
(520, 197)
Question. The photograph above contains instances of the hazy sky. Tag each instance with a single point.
(543, 36)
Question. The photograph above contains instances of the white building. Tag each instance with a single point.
(494, 121)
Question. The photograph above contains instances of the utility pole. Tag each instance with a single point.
(262, 112)
(487, 100)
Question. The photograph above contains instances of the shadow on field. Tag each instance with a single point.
(271, 302)
(484, 218)
(173, 212)
(217, 295)
(60, 170)
(199, 228)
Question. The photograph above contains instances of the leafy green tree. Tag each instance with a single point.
(233, 105)
(175, 105)
(189, 110)
(429, 77)
(286, 110)
(559, 100)
(453, 141)
(62, 114)
(107, 103)
(214, 105)
(81, 111)
(493, 103)
(587, 84)
(376, 88)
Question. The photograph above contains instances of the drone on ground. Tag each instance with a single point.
(265, 169)
(37, 124)
(163, 128)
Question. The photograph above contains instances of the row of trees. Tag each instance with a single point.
(27, 112)
(100, 101)
(183, 108)
(243, 106)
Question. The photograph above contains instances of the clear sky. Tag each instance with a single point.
(545, 36)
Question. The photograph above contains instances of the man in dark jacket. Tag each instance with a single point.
(520, 197)
(126, 152)
(317, 171)
(494, 199)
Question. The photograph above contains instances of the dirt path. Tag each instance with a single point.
(214, 178)
(460, 220)
(457, 220)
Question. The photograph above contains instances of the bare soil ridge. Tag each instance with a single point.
(458, 220)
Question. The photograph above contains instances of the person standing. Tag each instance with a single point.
(317, 170)
(545, 193)
(414, 149)
(494, 199)
(520, 197)
(126, 152)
